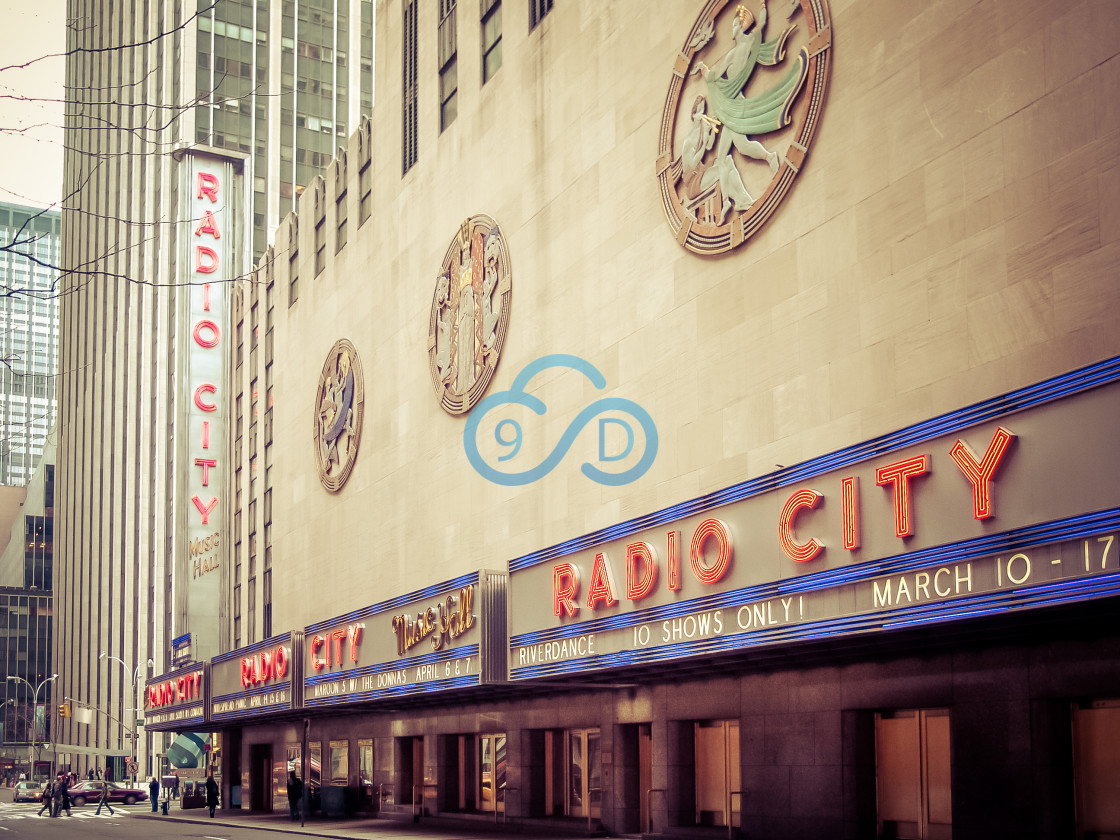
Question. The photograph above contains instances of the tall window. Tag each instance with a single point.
(409, 147)
(341, 215)
(448, 65)
(537, 10)
(365, 191)
(491, 38)
(293, 264)
(320, 242)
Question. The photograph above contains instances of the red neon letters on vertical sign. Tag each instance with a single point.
(206, 333)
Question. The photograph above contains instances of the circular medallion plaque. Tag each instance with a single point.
(470, 314)
(746, 95)
(339, 406)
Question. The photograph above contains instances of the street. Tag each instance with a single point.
(22, 820)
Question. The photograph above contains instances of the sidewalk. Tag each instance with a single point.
(361, 828)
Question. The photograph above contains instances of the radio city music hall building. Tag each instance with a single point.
(687, 417)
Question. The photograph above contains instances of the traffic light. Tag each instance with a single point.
(64, 710)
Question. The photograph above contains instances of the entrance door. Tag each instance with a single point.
(491, 772)
(584, 782)
(260, 777)
(645, 775)
(718, 792)
(411, 777)
(912, 774)
(1096, 755)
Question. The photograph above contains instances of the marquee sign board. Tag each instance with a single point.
(255, 679)
(177, 700)
(447, 636)
(980, 510)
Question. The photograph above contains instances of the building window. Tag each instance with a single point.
(409, 147)
(293, 269)
(320, 245)
(251, 630)
(267, 604)
(340, 216)
(537, 10)
(365, 191)
(491, 38)
(448, 65)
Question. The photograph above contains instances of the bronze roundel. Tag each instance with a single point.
(470, 314)
(746, 94)
(339, 407)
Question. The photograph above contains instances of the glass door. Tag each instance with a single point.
(584, 785)
(491, 772)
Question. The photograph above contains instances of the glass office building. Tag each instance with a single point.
(28, 337)
(275, 87)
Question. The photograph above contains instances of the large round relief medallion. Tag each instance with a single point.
(746, 94)
(470, 314)
(339, 406)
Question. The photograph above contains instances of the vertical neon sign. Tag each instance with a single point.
(209, 190)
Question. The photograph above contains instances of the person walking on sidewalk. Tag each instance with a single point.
(211, 794)
(295, 794)
(153, 792)
(104, 800)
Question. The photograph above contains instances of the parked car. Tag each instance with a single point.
(28, 792)
(90, 791)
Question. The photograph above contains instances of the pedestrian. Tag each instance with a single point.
(62, 796)
(48, 799)
(295, 794)
(89, 774)
(153, 791)
(211, 794)
(104, 800)
(99, 774)
(174, 784)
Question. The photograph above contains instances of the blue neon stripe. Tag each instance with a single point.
(249, 650)
(252, 692)
(1049, 390)
(427, 592)
(395, 691)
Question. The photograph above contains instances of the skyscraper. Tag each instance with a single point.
(269, 90)
(28, 336)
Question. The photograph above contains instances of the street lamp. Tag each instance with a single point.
(34, 708)
(134, 673)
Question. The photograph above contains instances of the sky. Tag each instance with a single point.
(30, 101)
